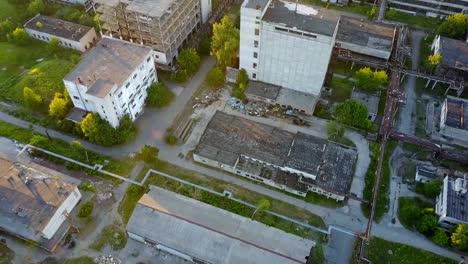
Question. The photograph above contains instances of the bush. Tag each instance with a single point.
(32, 99)
(86, 210)
(87, 187)
(171, 139)
(159, 96)
(352, 113)
(440, 238)
(428, 223)
(148, 154)
(189, 61)
(215, 78)
(20, 37)
(429, 189)
(101, 132)
(459, 238)
(241, 84)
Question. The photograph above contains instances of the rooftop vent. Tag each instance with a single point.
(460, 185)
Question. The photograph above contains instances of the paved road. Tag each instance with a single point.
(406, 122)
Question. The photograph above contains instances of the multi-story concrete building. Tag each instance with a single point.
(294, 162)
(452, 203)
(112, 80)
(87, 4)
(432, 8)
(287, 44)
(69, 35)
(453, 118)
(35, 206)
(163, 25)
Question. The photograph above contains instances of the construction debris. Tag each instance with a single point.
(107, 260)
(206, 99)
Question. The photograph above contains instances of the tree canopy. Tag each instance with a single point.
(455, 26)
(188, 61)
(159, 95)
(352, 113)
(6, 27)
(215, 78)
(225, 42)
(60, 105)
(20, 37)
(148, 154)
(262, 205)
(53, 46)
(370, 80)
(31, 99)
(241, 84)
(99, 131)
(460, 237)
(36, 7)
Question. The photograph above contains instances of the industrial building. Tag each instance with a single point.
(424, 174)
(431, 8)
(452, 203)
(35, 206)
(163, 25)
(453, 118)
(453, 59)
(69, 35)
(294, 162)
(87, 4)
(287, 44)
(111, 80)
(201, 233)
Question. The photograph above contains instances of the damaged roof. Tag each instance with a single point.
(457, 113)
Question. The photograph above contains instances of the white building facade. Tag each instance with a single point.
(284, 46)
(69, 35)
(61, 214)
(120, 90)
(452, 204)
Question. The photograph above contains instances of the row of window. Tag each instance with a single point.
(41, 37)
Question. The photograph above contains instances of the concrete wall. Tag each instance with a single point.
(61, 214)
(296, 62)
(249, 41)
(205, 10)
(127, 99)
(82, 45)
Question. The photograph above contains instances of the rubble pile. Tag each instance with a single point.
(107, 260)
(206, 99)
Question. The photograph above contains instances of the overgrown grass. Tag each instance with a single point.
(353, 7)
(63, 148)
(382, 196)
(413, 20)
(321, 200)
(424, 52)
(232, 206)
(8, 10)
(111, 235)
(80, 260)
(378, 251)
(344, 68)
(420, 127)
(342, 89)
(317, 254)
(129, 201)
(6, 254)
(238, 192)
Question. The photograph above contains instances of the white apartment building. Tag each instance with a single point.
(452, 203)
(287, 44)
(69, 35)
(112, 80)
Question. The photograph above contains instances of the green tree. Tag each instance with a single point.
(78, 147)
(159, 95)
(39, 141)
(58, 107)
(432, 189)
(455, 26)
(148, 154)
(91, 127)
(371, 13)
(335, 130)
(370, 80)
(6, 26)
(86, 210)
(352, 113)
(215, 78)
(20, 37)
(409, 215)
(440, 238)
(125, 131)
(225, 42)
(53, 46)
(189, 61)
(36, 7)
(241, 84)
(262, 205)
(427, 224)
(31, 99)
(460, 237)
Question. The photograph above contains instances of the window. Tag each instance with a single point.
(148, 59)
(127, 85)
(134, 76)
(86, 100)
(76, 97)
(138, 87)
(254, 76)
(257, 22)
(257, 32)
(133, 106)
(120, 94)
(256, 43)
(157, 56)
(254, 65)
(255, 55)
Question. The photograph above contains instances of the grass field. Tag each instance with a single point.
(7, 10)
(378, 252)
(413, 20)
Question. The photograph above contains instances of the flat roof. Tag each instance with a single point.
(369, 99)
(227, 136)
(244, 141)
(152, 8)
(29, 199)
(112, 61)
(256, 4)
(281, 95)
(454, 53)
(365, 37)
(424, 172)
(303, 17)
(212, 234)
(457, 113)
(457, 201)
(58, 27)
